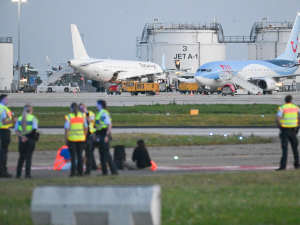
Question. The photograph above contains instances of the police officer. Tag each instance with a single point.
(26, 129)
(88, 144)
(102, 137)
(75, 135)
(6, 121)
(287, 120)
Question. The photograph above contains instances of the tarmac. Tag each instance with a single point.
(125, 99)
(177, 160)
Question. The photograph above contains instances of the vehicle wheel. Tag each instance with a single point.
(212, 92)
(49, 90)
(232, 94)
(119, 93)
(189, 92)
(132, 93)
(224, 94)
(66, 90)
(136, 93)
(108, 93)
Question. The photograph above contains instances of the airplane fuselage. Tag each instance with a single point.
(208, 74)
(105, 69)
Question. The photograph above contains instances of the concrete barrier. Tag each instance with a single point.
(132, 205)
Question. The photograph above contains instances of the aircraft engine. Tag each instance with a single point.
(267, 84)
(95, 83)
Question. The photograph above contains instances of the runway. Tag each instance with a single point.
(125, 99)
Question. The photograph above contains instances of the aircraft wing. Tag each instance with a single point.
(277, 76)
(135, 76)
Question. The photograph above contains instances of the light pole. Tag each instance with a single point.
(19, 61)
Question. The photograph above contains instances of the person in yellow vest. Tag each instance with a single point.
(6, 121)
(88, 144)
(102, 138)
(75, 135)
(26, 129)
(288, 120)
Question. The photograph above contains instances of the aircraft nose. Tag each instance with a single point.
(200, 80)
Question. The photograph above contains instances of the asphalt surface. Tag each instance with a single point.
(177, 160)
(125, 99)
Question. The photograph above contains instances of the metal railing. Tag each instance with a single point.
(5, 39)
(238, 39)
(150, 27)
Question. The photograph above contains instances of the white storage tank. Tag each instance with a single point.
(271, 41)
(192, 44)
(6, 63)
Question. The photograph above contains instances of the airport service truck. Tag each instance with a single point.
(71, 87)
(135, 88)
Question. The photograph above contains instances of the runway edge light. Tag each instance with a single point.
(241, 138)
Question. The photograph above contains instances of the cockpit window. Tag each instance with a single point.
(208, 70)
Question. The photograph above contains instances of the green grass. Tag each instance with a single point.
(227, 199)
(156, 115)
(169, 108)
(55, 141)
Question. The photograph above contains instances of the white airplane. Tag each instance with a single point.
(108, 70)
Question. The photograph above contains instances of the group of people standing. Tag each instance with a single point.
(25, 128)
(83, 131)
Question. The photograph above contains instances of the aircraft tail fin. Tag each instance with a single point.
(78, 47)
(291, 50)
(163, 63)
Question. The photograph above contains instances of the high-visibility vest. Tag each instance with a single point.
(76, 130)
(99, 124)
(289, 117)
(29, 122)
(60, 161)
(9, 117)
(92, 124)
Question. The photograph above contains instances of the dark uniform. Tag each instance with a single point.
(102, 122)
(5, 113)
(26, 148)
(288, 114)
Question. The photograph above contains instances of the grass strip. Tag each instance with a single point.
(172, 120)
(169, 108)
(156, 115)
(55, 141)
(230, 198)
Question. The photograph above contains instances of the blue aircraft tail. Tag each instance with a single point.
(291, 50)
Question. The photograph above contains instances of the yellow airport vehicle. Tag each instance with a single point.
(188, 88)
(143, 88)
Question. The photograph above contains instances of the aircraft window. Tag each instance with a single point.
(208, 70)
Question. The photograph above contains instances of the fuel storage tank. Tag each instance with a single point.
(6, 63)
(185, 45)
(270, 41)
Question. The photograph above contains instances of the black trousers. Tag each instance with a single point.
(105, 156)
(289, 135)
(89, 147)
(93, 145)
(5, 140)
(26, 151)
(75, 149)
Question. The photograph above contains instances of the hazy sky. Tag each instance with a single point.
(110, 27)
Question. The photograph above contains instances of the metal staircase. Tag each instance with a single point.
(241, 81)
(54, 77)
